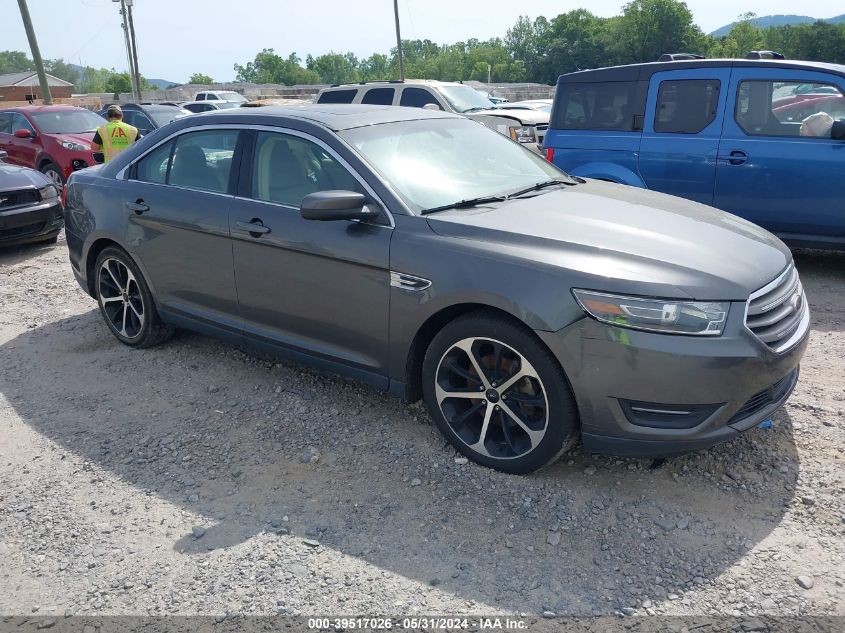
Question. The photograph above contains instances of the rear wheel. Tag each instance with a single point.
(52, 171)
(125, 300)
(498, 394)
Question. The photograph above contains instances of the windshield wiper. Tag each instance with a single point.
(464, 204)
(541, 185)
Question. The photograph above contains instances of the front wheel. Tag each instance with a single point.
(52, 171)
(498, 394)
(125, 300)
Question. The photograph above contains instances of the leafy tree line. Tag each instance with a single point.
(541, 49)
(84, 80)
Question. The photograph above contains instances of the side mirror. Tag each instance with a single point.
(837, 132)
(336, 205)
(23, 133)
(432, 106)
(3, 155)
(99, 157)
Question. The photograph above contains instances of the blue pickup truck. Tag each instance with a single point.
(763, 139)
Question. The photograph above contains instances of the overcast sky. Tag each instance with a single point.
(180, 37)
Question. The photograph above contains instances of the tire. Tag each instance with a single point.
(52, 171)
(524, 395)
(125, 300)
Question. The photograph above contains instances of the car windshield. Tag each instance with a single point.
(437, 162)
(464, 98)
(67, 121)
(231, 96)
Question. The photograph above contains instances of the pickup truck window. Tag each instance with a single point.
(337, 96)
(686, 106)
(596, 106)
(788, 108)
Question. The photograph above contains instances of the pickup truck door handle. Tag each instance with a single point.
(138, 206)
(254, 227)
(735, 157)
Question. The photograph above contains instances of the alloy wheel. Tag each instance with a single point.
(55, 177)
(492, 398)
(121, 299)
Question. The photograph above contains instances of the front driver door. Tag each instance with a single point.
(319, 288)
(770, 171)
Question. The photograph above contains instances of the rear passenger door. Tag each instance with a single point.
(769, 171)
(683, 122)
(177, 198)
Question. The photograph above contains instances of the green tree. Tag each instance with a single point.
(269, 68)
(14, 62)
(117, 83)
(649, 28)
(199, 78)
(334, 68)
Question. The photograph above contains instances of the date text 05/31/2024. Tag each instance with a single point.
(416, 624)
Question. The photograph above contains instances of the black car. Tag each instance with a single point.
(148, 117)
(30, 208)
(428, 255)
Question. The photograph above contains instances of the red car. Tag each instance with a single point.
(834, 105)
(53, 139)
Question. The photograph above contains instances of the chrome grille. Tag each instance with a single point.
(777, 314)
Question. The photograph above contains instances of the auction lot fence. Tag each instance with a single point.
(258, 624)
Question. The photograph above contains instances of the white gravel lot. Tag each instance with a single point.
(195, 479)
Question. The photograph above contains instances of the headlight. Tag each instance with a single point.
(74, 147)
(48, 193)
(523, 134)
(705, 318)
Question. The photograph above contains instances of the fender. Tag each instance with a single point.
(609, 171)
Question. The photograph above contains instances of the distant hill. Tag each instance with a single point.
(767, 21)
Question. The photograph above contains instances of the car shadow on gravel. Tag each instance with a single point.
(254, 448)
(12, 255)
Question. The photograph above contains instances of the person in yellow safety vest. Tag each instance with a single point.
(115, 136)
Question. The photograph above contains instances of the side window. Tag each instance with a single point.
(154, 167)
(203, 160)
(142, 122)
(5, 122)
(129, 117)
(379, 96)
(19, 122)
(596, 106)
(337, 96)
(286, 168)
(417, 98)
(686, 106)
(212, 97)
(788, 108)
(200, 97)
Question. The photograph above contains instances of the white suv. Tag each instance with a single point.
(441, 95)
(220, 95)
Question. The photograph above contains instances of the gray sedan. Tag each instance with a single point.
(424, 254)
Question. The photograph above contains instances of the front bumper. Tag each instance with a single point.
(735, 379)
(33, 223)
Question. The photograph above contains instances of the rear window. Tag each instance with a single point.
(598, 106)
(337, 96)
(417, 98)
(686, 106)
(379, 96)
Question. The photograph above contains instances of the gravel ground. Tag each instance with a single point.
(195, 479)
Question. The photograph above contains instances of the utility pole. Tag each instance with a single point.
(36, 54)
(136, 77)
(125, 27)
(399, 40)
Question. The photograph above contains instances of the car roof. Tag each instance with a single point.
(42, 108)
(643, 72)
(333, 116)
(394, 83)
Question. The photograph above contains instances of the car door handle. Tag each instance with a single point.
(736, 157)
(138, 206)
(254, 227)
